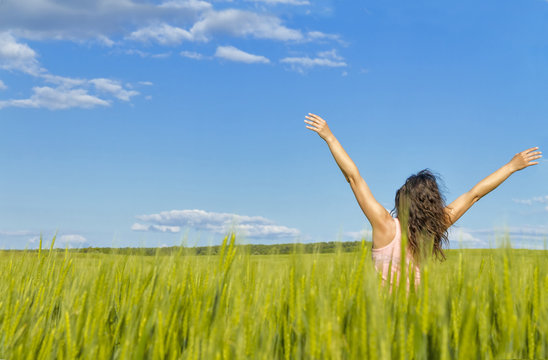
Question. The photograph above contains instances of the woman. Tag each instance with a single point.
(418, 204)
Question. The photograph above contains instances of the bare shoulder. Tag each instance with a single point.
(384, 233)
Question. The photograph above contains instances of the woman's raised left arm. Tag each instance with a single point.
(379, 218)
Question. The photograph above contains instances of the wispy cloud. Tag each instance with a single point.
(233, 54)
(72, 239)
(16, 233)
(534, 200)
(219, 223)
(65, 240)
(323, 58)
(21, 239)
(158, 228)
(358, 235)
(522, 236)
(465, 238)
(162, 34)
(318, 35)
(144, 54)
(192, 55)
(113, 87)
(2, 85)
(56, 99)
(285, 2)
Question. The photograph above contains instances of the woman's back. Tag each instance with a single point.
(419, 200)
(391, 253)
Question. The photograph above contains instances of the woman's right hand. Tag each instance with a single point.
(318, 125)
(525, 158)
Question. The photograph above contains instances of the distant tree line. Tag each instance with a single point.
(253, 249)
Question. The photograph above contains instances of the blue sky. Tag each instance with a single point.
(140, 123)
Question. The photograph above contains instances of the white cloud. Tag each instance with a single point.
(91, 19)
(465, 238)
(105, 41)
(17, 56)
(56, 99)
(324, 58)
(145, 54)
(358, 235)
(540, 231)
(308, 62)
(318, 35)
(68, 93)
(192, 55)
(535, 200)
(286, 2)
(34, 239)
(252, 226)
(165, 22)
(196, 5)
(16, 233)
(158, 228)
(113, 87)
(330, 54)
(71, 239)
(2, 85)
(111, 22)
(165, 228)
(145, 83)
(163, 34)
(62, 240)
(241, 23)
(233, 54)
(520, 236)
(234, 22)
(140, 227)
(62, 81)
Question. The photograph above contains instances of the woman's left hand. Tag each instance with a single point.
(525, 158)
(318, 125)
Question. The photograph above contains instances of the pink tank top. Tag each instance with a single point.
(392, 252)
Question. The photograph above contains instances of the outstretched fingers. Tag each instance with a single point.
(529, 150)
(315, 122)
(533, 156)
(312, 128)
(531, 162)
(315, 117)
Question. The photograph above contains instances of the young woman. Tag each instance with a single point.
(419, 204)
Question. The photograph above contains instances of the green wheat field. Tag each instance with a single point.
(479, 304)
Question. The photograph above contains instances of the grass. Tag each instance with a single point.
(479, 304)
